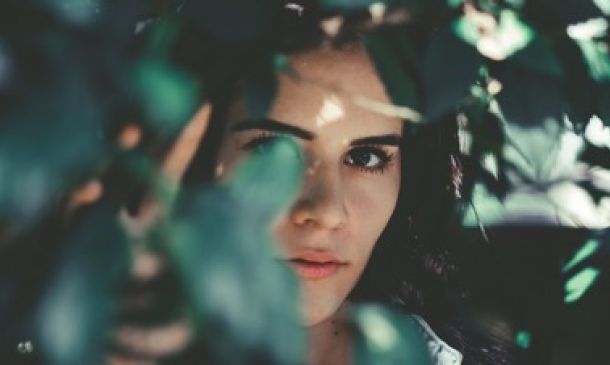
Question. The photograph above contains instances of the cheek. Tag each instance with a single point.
(373, 199)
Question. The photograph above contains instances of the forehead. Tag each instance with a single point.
(321, 98)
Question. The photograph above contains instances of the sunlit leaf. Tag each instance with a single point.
(597, 58)
(523, 339)
(588, 249)
(77, 310)
(603, 5)
(498, 42)
(228, 262)
(386, 337)
(578, 284)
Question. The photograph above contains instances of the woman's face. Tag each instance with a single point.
(353, 171)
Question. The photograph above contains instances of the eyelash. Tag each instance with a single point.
(260, 141)
(385, 159)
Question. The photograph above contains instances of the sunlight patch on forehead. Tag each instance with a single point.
(331, 111)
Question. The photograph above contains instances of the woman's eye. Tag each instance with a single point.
(367, 158)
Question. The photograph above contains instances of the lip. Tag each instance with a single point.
(315, 265)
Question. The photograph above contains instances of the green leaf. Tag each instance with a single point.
(350, 4)
(167, 95)
(508, 36)
(77, 309)
(386, 337)
(603, 5)
(523, 339)
(588, 248)
(50, 142)
(393, 56)
(596, 56)
(446, 87)
(578, 285)
(261, 89)
(222, 247)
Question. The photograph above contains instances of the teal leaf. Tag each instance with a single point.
(79, 12)
(51, 142)
(508, 36)
(578, 284)
(603, 5)
(350, 4)
(595, 54)
(76, 311)
(523, 339)
(167, 95)
(261, 89)
(386, 337)
(446, 87)
(393, 56)
(222, 248)
(588, 248)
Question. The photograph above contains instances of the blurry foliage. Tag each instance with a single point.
(528, 81)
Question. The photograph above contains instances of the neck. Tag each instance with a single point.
(330, 342)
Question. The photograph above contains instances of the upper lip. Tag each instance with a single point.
(318, 257)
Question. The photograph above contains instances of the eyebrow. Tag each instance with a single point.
(277, 126)
(272, 125)
(386, 139)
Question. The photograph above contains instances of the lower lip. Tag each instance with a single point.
(314, 270)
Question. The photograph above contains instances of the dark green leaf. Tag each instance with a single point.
(241, 295)
(393, 57)
(77, 310)
(451, 67)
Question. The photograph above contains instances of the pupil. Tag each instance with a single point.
(361, 158)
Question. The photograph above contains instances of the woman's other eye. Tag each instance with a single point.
(368, 159)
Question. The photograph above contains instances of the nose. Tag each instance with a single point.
(322, 200)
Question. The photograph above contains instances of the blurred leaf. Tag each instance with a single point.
(245, 301)
(79, 12)
(603, 5)
(48, 143)
(501, 40)
(588, 249)
(538, 56)
(447, 86)
(351, 4)
(578, 284)
(596, 56)
(77, 309)
(523, 339)
(454, 3)
(236, 21)
(260, 89)
(387, 337)
(393, 56)
(168, 95)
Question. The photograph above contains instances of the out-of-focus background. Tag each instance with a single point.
(99, 117)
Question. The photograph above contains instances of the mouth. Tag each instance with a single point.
(315, 265)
